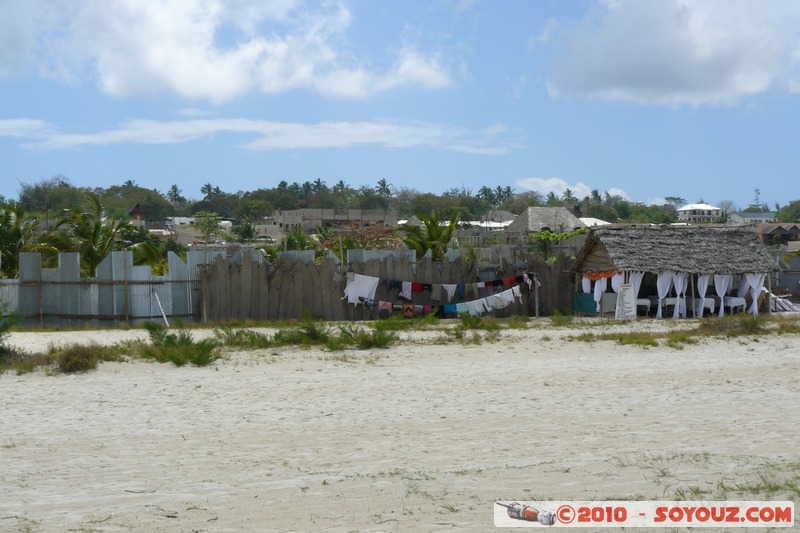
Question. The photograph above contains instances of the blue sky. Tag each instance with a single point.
(696, 99)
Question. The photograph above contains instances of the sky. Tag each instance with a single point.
(698, 99)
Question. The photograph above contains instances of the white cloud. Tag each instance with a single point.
(210, 50)
(678, 52)
(614, 191)
(25, 128)
(271, 135)
(657, 201)
(414, 68)
(558, 186)
(546, 185)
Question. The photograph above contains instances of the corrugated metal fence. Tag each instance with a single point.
(211, 287)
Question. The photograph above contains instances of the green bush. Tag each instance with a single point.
(309, 333)
(82, 357)
(375, 339)
(242, 338)
(7, 321)
(559, 319)
(178, 348)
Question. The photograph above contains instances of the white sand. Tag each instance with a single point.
(426, 438)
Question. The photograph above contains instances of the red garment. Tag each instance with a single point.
(508, 282)
(416, 287)
(594, 276)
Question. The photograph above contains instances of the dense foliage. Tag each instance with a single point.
(52, 216)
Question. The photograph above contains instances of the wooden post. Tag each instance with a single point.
(768, 298)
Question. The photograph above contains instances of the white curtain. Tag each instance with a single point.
(756, 282)
(664, 284)
(744, 286)
(586, 285)
(599, 288)
(616, 281)
(702, 287)
(722, 282)
(679, 280)
(636, 281)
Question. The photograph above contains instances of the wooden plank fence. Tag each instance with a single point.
(288, 290)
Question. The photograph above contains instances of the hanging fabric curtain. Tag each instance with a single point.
(679, 280)
(616, 281)
(599, 288)
(664, 284)
(722, 282)
(586, 285)
(636, 280)
(756, 282)
(744, 286)
(702, 287)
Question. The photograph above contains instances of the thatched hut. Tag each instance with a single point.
(667, 262)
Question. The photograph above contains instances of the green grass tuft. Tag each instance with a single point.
(178, 348)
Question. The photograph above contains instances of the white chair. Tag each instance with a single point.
(732, 302)
(608, 303)
(708, 303)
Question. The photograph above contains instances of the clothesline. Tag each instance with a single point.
(361, 289)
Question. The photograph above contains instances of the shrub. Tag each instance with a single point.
(178, 348)
(376, 339)
(7, 321)
(82, 357)
(242, 338)
(309, 333)
(731, 326)
(559, 319)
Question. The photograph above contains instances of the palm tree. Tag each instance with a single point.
(318, 185)
(17, 235)
(174, 195)
(487, 195)
(297, 239)
(433, 235)
(209, 191)
(245, 230)
(94, 235)
(384, 188)
(568, 196)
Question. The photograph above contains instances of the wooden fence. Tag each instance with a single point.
(285, 290)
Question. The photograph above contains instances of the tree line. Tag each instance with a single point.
(53, 216)
(47, 198)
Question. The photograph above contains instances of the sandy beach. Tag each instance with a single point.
(418, 437)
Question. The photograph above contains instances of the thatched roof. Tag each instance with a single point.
(535, 219)
(693, 249)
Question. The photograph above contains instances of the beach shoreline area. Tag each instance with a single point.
(422, 436)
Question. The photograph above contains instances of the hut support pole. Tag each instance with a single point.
(694, 307)
(768, 299)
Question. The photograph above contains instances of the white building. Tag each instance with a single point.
(699, 213)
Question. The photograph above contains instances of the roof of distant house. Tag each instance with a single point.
(589, 221)
(535, 219)
(703, 207)
(747, 214)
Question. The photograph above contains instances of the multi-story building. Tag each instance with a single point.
(699, 213)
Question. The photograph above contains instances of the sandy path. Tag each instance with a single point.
(423, 439)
